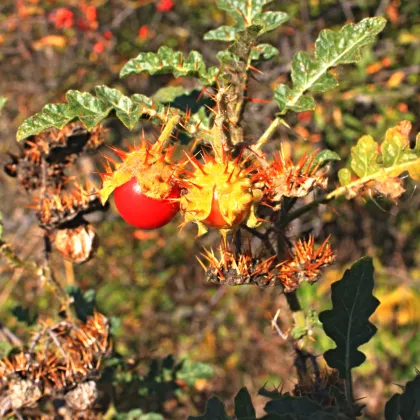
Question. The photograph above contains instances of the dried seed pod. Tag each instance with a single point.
(237, 268)
(77, 245)
(306, 263)
(282, 178)
(82, 397)
(23, 393)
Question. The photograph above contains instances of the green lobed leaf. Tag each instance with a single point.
(310, 73)
(126, 110)
(89, 109)
(263, 51)
(167, 61)
(381, 165)
(364, 157)
(245, 14)
(347, 323)
(244, 409)
(52, 115)
(406, 405)
(215, 409)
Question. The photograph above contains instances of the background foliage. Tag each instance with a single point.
(158, 303)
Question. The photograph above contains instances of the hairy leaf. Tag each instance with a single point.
(406, 405)
(246, 13)
(215, 409)
(52, 115)
(166, 61)
(310, 73)
(347, 323)
(126, 110)
(244, 409)
(263, 51)
(89, 109)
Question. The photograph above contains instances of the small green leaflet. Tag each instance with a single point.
(310, 73)
(166, 61)
(347, 323)
(246, 13)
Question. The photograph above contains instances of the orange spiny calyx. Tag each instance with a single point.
(149, 163)
(305, 264)
(237, 268)
(282, 178)
(219, 192)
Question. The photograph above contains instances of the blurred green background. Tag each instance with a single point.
(149, 283)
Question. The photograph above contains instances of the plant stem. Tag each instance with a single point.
(348, 388)
(269, 132)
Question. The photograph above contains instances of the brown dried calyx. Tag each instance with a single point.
(78, 244)
(282, 178)
(238, 268)
(63, 362)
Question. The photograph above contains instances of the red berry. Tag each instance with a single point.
(142, 211)
(164, 5)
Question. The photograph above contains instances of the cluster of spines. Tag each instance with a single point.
(66, 355)
(56, 206)
(283, 178)
(237, 268)
(306, 263)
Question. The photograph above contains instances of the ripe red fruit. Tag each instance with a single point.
(142, 211)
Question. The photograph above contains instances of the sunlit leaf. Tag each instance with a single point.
(89, 109)
(52, 115)
(246, 13)
(126, 110)
(167, 61)
(310, 73)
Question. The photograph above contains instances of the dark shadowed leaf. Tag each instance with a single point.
(347, 323)
(244, 409)
(406, 405)
(215, 410)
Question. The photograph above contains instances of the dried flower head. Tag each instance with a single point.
(305, 264)
(78, 244)
(56, 208)
(63, 357)
(282, 178)
(237, 268)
